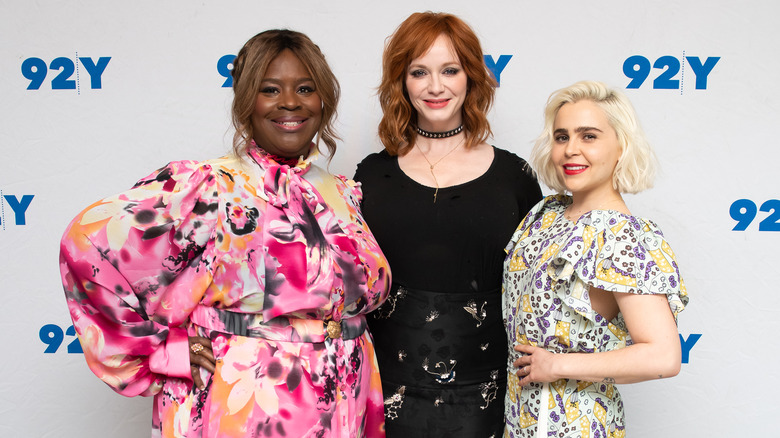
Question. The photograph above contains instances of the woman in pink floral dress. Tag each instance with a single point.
(234, 290)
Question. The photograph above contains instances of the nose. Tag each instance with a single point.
(435, 85)
(572, 147)
(289, 100)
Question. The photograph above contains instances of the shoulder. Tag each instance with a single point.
(514, 172)
(511, 163)
(626, 239)
(317, 176)
(540, 216)
(199, 176)
(372, 163)
(640, 229)
(171, 173)
(377, 159)
(232, 164)
(546, 209)
(509, 157)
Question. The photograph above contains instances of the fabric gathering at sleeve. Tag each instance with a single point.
(620, 254)
(133, 267)
(604, 249)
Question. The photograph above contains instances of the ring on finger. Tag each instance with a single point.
(196, 348)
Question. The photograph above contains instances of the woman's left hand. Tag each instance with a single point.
(535, 365)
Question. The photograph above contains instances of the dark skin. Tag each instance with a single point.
(204, 359)
(286, 117)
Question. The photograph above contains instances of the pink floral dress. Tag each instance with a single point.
(257, 256)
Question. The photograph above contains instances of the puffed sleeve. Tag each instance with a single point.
(133, 267)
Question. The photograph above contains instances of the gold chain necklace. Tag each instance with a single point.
(437, 162)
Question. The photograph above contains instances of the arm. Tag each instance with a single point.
(132, 271)
(654, 354)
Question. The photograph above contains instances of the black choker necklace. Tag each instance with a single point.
(444, 134)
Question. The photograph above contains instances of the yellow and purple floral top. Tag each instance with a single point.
(551, 265)
(259, 257)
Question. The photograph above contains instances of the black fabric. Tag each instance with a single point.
(445, 307)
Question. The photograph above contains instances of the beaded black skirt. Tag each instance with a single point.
(442, 358)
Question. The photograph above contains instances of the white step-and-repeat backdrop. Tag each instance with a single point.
(96, 94)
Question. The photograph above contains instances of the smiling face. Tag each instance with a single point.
(288, 110)
(437, 86)
(585, 149)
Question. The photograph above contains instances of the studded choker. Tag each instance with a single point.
(445, 134)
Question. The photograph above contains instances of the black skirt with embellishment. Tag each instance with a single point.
(442, 357)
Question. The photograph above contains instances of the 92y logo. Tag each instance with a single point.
(671, 71)
(17, 209)
(53, 336)
(225, 69)
(69, 77)
(744, 211)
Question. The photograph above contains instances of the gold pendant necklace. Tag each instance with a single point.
(437, 162)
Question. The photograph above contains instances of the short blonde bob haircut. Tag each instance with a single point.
(636, 168)
(249, 68)
(411, 40)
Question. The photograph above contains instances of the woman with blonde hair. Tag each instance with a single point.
(442, 203)
(235, 290)
(591, 292)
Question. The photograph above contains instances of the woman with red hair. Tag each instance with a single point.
(442, 204)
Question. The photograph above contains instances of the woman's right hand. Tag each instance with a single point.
(201, 356)
(535, 365)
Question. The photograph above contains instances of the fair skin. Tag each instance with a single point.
(437, 87)
(585, 151)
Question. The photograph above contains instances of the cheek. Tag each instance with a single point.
(316, 108)
(413, 88)
(461, 85)
(262, 107)
(556, 155)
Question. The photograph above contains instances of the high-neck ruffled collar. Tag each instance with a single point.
(265, 159)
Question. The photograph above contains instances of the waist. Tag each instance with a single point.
(281, 328)
(448, 296)
(429, 336)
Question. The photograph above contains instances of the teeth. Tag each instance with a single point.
(289, 123)
(576, 167)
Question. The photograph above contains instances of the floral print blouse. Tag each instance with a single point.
(255, 255)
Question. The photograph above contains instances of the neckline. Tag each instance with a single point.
(568, 200)
(259, 154)
(493, 163)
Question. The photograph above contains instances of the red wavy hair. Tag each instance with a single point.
(411, 40)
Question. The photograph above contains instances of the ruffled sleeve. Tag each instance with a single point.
(515, 249)
(133, 267)
(618, 253)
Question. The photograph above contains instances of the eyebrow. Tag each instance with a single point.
(446, 64)
(279, 81)
(579, 129)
